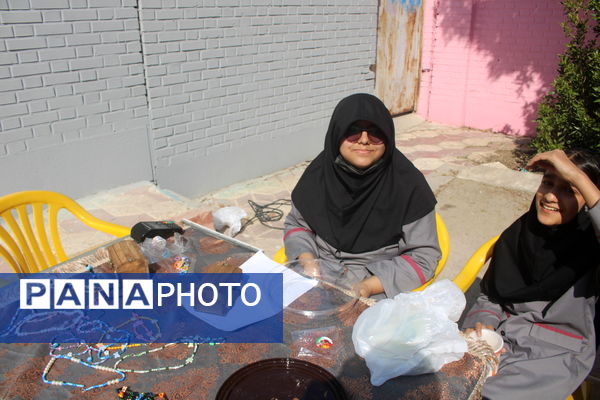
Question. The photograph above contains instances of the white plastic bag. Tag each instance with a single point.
(229, 216)
(413, 333)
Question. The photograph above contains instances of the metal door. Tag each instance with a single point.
(398, 62)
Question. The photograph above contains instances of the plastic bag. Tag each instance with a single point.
(413, 333)
(170, 255)
(229, 216)
(155, 249)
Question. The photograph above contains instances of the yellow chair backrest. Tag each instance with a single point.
(26, 246)
(467, 275)
(443, 241)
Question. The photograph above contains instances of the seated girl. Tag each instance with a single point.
(362, 208)
(541, 286)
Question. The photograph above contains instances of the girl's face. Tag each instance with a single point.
(556, 201)
(362, 145)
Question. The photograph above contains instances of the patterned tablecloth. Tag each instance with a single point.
(21, 365)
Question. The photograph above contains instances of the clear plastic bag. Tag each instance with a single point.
(155, 249)
(229, 217)
(170, 255)
(413, 333)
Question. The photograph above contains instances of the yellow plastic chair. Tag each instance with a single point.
(443, 241)
(27, 248)
(467, 276)
(583, 392)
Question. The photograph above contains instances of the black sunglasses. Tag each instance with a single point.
(354, 133)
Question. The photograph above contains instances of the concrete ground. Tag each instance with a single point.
(477, 198)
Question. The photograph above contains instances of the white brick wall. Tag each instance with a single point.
(61, 67)
(246, 68)
(205, 82)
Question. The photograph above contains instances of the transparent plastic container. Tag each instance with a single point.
(331, 296)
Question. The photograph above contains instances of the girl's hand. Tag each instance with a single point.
(559, 162)
(368, 287)
(310, 265)
(362, 289)
(478, 327)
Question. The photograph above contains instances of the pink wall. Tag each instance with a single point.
(486, 64)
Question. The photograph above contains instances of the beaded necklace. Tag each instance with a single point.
(44, 319)
(129, 345)
(99, 353)
(79, 385)
(102, 353)
(187, 361)
(95, 354)
(83, 348)
(137, 321)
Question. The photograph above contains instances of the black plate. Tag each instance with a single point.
(281, 379)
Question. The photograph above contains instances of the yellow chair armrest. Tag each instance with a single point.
(444, 243)
(467, 275)
(280, 256)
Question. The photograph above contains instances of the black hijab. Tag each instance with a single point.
(535, 262)
(357, 211)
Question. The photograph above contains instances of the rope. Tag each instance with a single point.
(484, 352)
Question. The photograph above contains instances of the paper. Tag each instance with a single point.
(294, 284)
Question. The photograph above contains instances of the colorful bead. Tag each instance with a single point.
(324, 342)
(128, 394)
(182, 264)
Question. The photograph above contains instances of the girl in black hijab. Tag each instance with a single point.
(362, 207)
(540, 289)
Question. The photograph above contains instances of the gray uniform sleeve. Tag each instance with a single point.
(419, 253)
(484, 311)
(298, 238)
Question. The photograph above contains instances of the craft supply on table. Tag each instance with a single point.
(126, 393)
(187, 361)
(97, 355)
(126, 256)
(317, 342)
(181, 264)
(494, 342)
(493, 339)
(150, 229)
(86, 364)
(324, 342)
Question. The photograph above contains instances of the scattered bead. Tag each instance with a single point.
(324, 342)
